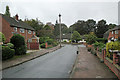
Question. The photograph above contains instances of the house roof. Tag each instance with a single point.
(16, 23)
(64, 36)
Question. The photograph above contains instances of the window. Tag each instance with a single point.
(21, 30)
(112, 32)
(33, 32)
(15, 29)
(116, 32)
(29, 32)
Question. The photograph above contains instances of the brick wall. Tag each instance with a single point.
(6, 30)
(116, 36)
(33, 46)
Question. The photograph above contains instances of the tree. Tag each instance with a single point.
(76, 36)
(90, 38)
(101, 28)
(36, 24)
(111, 26)
(64, 29)
(7, 12)
(46, 27)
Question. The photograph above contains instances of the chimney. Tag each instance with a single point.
(16, 16)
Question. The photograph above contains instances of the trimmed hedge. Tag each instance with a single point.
(7, 52)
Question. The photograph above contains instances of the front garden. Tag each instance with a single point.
(107, 52)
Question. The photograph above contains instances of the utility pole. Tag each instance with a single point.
(60, 28)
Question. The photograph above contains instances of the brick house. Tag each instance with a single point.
(11, 26)
(113, 34)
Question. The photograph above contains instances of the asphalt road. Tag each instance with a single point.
(57, 64)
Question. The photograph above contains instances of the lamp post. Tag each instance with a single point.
(60, 27)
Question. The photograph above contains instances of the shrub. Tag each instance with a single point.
(89, 49)
(17, 40)
(42, 45)
(43, 39)
(10, 45)
(7, 53)
(112, 46)
(69, 41)
(55, 43)
(2, 37)
(91, 38)
(50, 41)
(102, 40)
(21, 50)
(64, 41)
(19, 44)
(99, 45)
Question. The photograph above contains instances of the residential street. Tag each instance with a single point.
(57, 64)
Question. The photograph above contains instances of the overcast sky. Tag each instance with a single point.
(71, 10)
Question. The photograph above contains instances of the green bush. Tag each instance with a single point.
(10, 45)
(91, 38)
(2, 37)
(21, 50)
(102, 40)
(50, 41)
(99, 45)
(55, 43)
(42, 45)
(64, 41)
(19, 44)
(7, 53)
(17, 40)
(112, 46)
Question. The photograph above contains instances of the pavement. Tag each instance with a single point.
(57, 64)
(88, 65)
(32, 55)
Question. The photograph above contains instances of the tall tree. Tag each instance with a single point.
(76, 36)
(7, 12)
(36, 24)
(101, 28)
(111, 26)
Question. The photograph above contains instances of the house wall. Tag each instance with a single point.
(6, 30)
(116, 36)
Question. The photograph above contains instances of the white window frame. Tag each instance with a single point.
(33, 32)
(112, 32)
(15, 29)
(29, 32)
(22, 30)
(116, 31)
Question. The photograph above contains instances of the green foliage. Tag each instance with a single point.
(112, 46)
(49, 41)
(7, 12)
(36, 24)
(90, 38)
(43, 39)
(76, 36)
(10, 45)
(19, 44)
(46, 27)
(17, 40)
(69, 41)
(103, 40)
(7, 52)
(99, 45)
(102, 27)
(21, 50)
(55, 43)
(2, 37)
(64, 41)
(42, 45)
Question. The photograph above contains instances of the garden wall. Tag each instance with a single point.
(33, 46)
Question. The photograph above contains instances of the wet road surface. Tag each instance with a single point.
(57, 64)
